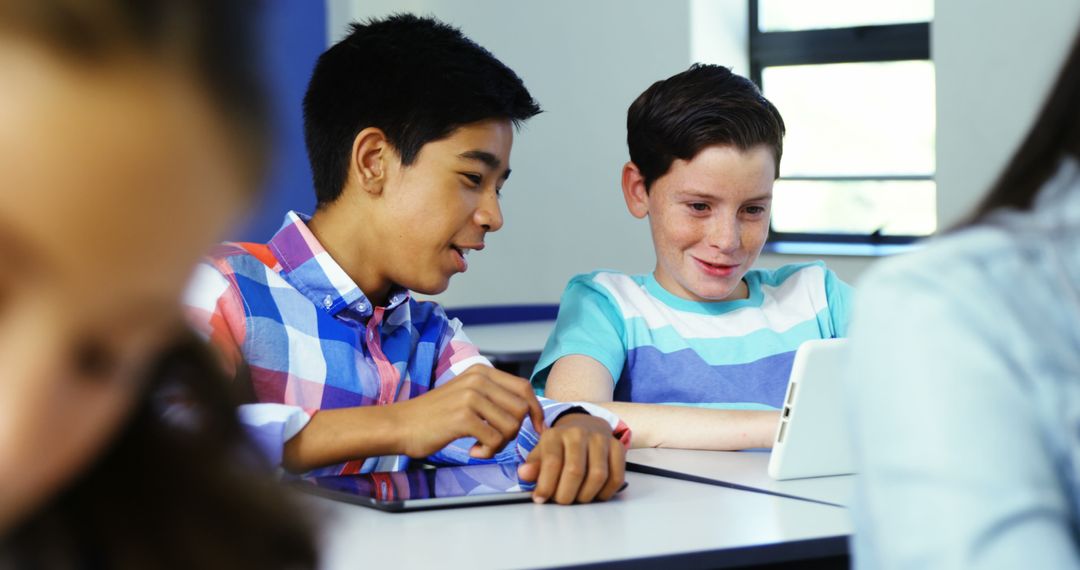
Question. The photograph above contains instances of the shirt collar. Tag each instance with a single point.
(306, 265)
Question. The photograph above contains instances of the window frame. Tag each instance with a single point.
(856, 44)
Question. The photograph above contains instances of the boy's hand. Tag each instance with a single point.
(577, 459)
(481, 402)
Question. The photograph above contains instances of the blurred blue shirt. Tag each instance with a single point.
(965, 392)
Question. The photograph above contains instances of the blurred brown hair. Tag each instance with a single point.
(214, 42)
(181, 485)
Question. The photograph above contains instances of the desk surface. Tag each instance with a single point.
(745, 468)
(509, 341)
(655, 520)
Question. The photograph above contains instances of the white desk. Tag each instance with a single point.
(513, 347)
(743, 468)
(655, 521)
(510, 340)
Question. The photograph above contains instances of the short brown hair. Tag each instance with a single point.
(705, 105)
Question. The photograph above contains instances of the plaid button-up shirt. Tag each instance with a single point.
(312, 340)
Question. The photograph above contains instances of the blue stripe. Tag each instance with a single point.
(257, 299)
(269, 350)
(653, 376)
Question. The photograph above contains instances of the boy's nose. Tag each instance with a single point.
(489, 215)
(725, 236)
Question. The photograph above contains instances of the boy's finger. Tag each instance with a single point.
(509, 401)
(530, 470)
(551, 463)
(480, 451)
(597, 475)
(488, 439)
(575, 466)
(616, 471)
(507, 425)
(523, 389)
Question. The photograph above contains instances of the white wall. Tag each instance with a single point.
(995, 62)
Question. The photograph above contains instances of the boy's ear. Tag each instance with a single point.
(371, 153)
(633, 189)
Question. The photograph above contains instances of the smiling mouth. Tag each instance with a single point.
(718, 265)
(463, 255)
(717, 269)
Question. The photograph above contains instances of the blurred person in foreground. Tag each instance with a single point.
(965, 378)
(130, 133)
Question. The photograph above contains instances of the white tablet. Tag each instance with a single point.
(811, 438)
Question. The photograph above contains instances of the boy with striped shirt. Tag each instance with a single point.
(696, 354)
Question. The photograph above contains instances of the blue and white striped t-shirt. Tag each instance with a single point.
(661, 348)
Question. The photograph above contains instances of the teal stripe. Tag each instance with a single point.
(724, 405)
(730, 350)
(777, 276)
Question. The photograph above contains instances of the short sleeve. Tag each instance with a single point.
(455, 352)
(214, 309)
(589, 323)
(840, 297)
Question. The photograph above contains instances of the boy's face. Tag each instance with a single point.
(116, 179)
(441, 207)
(709, 218)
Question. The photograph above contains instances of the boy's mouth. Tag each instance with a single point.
(462, 254)
(716, 269)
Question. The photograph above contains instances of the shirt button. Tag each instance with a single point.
(328, 302)
(360, 307)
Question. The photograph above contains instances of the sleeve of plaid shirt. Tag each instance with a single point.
(216, 311)
(456, 354)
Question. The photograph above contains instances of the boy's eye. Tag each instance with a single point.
(474, 179)
(755, 210)
(699, 206)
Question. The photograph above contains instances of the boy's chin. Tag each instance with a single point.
(715, 294)
(428, 286)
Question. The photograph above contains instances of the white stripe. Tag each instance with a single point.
(799, 298)
(291, 418)
(206, 286)
(461, 366)
(337, 277)
(384, 463)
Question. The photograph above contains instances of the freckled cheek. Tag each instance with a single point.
(754, 235)
(686, 233)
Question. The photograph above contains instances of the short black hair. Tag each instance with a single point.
(705, 105)
(417, 79)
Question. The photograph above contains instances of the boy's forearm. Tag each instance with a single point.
(658, 425)
(346, 434)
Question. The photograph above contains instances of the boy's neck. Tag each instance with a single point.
(351, 247)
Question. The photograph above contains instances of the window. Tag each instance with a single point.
(855, 85)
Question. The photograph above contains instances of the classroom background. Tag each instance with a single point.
(586, 61)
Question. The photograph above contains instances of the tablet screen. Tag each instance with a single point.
(424, 488)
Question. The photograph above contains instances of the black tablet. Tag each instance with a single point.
(422, 489)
